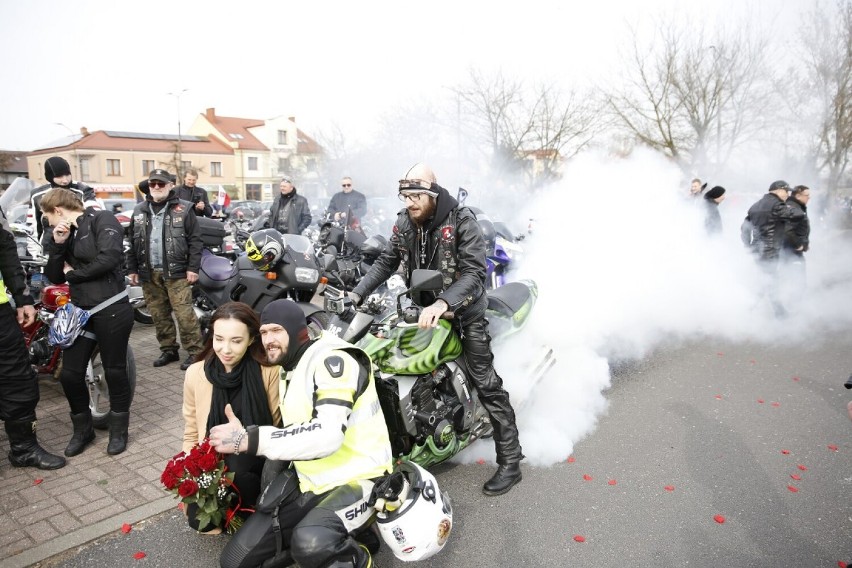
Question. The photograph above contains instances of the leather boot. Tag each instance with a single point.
(84, 433)
(118, 422)
(505, 478)
(24, 449)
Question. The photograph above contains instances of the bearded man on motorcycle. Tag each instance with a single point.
(435, 232)
(336, 439)
(19, 391)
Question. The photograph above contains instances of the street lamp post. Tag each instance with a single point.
(179, 165)
(76, 155)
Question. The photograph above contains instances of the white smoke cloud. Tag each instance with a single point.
(624, 266)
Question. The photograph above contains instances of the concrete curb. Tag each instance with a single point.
(89, 533)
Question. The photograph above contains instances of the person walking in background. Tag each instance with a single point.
(19, 391)
(290, 212)
(796, 243)
(188, 191)
(165, 255)
(763, 232)
(435, 232)
(231, 370)
(348, 204)
(86, 249)
(713, 220)
(696, 187)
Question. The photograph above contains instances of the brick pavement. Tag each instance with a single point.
(52, 511)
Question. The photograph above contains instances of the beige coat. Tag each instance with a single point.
(198, 396)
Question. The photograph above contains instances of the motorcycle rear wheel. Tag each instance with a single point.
(98, 389)
(141, 314)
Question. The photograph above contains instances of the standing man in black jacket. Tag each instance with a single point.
(768, 219)
(435, 232)
(796, 241)
(347, 205)
(19, 391)
(290, 212)
(194, 194)
(165, 255)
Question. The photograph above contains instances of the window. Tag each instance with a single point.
(185, 165)
(216, 169)
(283, 165)
(252, 163)
(84, 169)
(311, 165)
(147, 166)
(282, 137)
(253, 191)
(113, 167)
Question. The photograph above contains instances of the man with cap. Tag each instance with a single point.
(712, 199)
(165, 255)
(435, 232)
(57, 172)
(763, 232)
(290, 212)
(336, 439)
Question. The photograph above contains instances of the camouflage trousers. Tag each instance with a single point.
(164, 298)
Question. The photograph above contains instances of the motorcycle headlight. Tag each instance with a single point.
(307, 275)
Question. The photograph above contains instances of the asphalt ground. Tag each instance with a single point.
(757, 435)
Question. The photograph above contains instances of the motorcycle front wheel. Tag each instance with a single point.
(98, 389)
(141, 314)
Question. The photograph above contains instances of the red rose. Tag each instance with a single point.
(204, 446)
(193, 468)
(169, 479)
(208, 462)
(187, 488)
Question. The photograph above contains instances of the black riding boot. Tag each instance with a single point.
(25, 450)
(506, 477)
(84, 433)
(118, 422)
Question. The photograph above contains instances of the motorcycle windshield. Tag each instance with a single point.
(413, 351)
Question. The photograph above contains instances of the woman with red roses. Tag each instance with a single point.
(230, 370)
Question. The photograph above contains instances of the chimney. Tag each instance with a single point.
(84, 131)
(211, 114)
(292, 119)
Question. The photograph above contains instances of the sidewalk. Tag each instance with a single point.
(48, 512)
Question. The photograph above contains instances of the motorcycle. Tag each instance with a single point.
(296, 276)
(431, 409)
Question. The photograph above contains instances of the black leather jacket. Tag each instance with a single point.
(14, 278)
(194, 195)
(95, 251)
(300, 213)
(181, 240)
(768, 217)
(454, 247)
(798, 231)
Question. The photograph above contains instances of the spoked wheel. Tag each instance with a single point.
(98, 389)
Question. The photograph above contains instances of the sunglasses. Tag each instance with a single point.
(157, 183)
(345, 185)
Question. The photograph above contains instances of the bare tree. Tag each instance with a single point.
(692, 97)
(827, 38)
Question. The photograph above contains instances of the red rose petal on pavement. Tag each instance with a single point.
(37, 481)
(612, 482)
(579, 538)
(841, 564)
(795, 378)
(796, 476)
(785, 452)
(752, 361)
(718, 397)
(832, 447)
(587, 477)
(125, 528)
(720, 354)
(793, 489)
(571, 459)
(669, 487)
(480, 461)
(139, 555)
(180, 506)
(760, 400)
(776, 404)
(719, 519)
(803, 468)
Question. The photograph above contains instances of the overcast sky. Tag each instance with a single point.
(110, 65)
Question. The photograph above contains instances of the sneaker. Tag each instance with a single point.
(187, 362)
(166, 357)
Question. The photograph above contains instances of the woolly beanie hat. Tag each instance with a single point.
(290, 316)
(55, 167)
(717, 191)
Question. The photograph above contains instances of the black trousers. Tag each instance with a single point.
(476, 342)
(19, 392)
(111, 326)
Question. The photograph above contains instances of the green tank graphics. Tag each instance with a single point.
(410, 350)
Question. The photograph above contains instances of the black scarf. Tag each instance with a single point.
(246, 376)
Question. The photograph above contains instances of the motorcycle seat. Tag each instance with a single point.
(509, 298)
(216, 267)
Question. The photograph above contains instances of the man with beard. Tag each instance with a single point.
(290, 212)
(57, 172)
(336, 439)
(165, 255)
(194, 194)
(435, 232)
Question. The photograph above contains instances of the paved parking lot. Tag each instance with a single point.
(47, 512)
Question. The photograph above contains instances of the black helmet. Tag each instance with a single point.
(489, 233)
(373, 247)
(265, 248)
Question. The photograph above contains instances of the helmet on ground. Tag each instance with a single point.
(265, 248)
(420, 526)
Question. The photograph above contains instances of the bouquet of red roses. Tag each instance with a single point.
(201, 477)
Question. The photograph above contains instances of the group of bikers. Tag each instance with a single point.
(287, 410)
